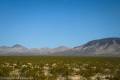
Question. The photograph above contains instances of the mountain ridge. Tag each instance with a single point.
(104, 46)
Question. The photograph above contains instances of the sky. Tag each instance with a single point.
(52, 23)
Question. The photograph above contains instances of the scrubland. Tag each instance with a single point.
(59, 68)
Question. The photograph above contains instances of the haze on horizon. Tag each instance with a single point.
(52, 23)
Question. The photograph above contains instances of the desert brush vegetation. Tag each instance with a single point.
(59, 68)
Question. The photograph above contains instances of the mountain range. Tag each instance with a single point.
(99, 47)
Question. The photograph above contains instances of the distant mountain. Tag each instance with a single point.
(14, 50)
(59, 49)
(18, 46)
(18, 49)
(99, 47)
(103, 47)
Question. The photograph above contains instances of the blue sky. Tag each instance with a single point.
(52, 23)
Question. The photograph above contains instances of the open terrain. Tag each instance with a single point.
(59, 68)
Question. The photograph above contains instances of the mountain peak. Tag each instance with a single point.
(62, 47)
(17, 46)
(100, 46)
(103, 41)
